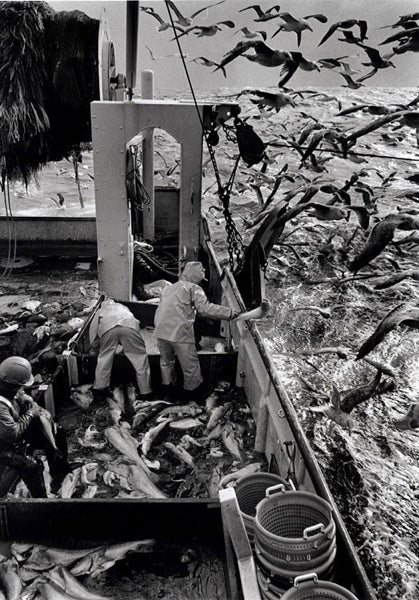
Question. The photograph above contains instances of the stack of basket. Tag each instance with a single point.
(294, 534)
(250, 490)
(308, 587)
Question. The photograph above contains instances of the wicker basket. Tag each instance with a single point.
(286, 574)
(250, 491)
(294, 523)
(295, 554)
(270, 590)
(308, 587)
(296, 565)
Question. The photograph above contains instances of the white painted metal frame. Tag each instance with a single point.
(114, 124)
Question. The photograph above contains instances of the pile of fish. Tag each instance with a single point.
(34, 572)
(41, 331)
(136, 448)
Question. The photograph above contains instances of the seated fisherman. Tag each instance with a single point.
(113, 325)
(21, 429)
(174, 328)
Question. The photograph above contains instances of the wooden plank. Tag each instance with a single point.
(234, 522)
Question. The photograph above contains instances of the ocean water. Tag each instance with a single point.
(373, 471)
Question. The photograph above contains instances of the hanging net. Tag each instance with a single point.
(48, 77)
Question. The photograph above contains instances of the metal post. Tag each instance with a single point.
(131, 46)
(147, 93)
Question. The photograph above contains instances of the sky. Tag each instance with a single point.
(162, 54)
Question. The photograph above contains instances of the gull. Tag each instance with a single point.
(206, 62)
(163, 24)
(347, 69)
(326, 134)
(350, 38)
(187, 21)
(401, 315)
(363, 25)
(381, 235)
(251, 34)
(297, 25)
(410, 419)
(374, 109)
(397, 278)
(273, 101)
(407, 117)
(324, 312)
(59, 202)
(342, 403)
(264, 55)
(403, 20)
(154, 57)
(410, 119)
(353, 85)
(409, 41)
(207, 30)
(325, 212)
(331, 63)
(376, 61)
(263, 15)
(268, 57)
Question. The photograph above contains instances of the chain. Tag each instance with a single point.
(235, 245)
(137, 193)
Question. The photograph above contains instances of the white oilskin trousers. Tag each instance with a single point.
(135, 351)
(188, 358)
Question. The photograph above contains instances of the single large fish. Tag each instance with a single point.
(185, 424)
(10, 582)
(69, 483)
(123, 441)
(256, 313)
(131, 396)
(90, 491)
(180, 453)
(213, 434)
(51, 591)
(232, 440)
(119, 398)
(214, 481)
(132, 477)
(180, 410)
(217, 414)
(143, 484)
(106, 557)
(243, 472)
(46, 475)
(152, 434)
(146, 413)
(43, 557)
(47, 429)
(72, 586)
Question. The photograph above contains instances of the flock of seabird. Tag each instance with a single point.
(254, 47)
(315, 136)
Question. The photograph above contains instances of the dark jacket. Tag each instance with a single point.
(14, 421)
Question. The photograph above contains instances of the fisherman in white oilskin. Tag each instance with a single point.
(24, 427)
(174, 328)
(113, 325)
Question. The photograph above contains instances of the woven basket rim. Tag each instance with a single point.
(320, 585)
(284, 573)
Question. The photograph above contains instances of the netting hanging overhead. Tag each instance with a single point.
(48, 77)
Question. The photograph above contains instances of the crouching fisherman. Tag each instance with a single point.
(114, 325)
(174, 329)
(25, 427)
